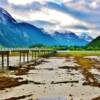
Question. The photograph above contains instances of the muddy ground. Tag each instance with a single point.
(54, 78)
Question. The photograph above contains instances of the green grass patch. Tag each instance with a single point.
(79, 53)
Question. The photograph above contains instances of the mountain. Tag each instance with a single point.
(14, 34)
(85, 36)
(95, 43)
(69, 39)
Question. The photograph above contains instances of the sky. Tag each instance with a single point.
(78, 16)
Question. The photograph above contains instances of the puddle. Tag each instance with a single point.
(56, 98)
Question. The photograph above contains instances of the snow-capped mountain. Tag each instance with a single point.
(5, 17)
(14, 34)
(85, 36)
(69, 39)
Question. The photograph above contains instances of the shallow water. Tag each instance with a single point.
(53, 98)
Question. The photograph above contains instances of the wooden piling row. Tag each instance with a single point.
(3, 55)
(22, 55)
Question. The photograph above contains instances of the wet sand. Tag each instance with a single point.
(53, 79)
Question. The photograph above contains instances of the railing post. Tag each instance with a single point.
(20, 57)
(38, 54)
(23, 56)
(8, 60)
(2, 55)
(32, 55)
(35, 57)
(35, 54)
(27, 56)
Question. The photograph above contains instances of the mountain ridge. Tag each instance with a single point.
(95, 43)
(14, 34)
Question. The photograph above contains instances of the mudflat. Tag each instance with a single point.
(55, 78)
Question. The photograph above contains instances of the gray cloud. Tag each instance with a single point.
(84, 10)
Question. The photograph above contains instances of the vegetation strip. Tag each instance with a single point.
(87, 64)
(8, 82)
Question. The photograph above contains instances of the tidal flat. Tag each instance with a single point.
(55, 78)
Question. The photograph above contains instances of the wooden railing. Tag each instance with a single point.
(22, 53)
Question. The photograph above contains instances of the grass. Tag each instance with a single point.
(80, 53)
(84, 63)
(74, 54)
(64, 54)
(79, 56)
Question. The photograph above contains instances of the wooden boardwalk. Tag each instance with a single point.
(22, 53)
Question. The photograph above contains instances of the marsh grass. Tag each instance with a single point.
(85, 66)
(84, 62)
(80, 53)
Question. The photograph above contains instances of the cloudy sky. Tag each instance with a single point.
(57, 15)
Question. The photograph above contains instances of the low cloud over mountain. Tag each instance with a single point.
(73, 15)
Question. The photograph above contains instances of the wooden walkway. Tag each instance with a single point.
(22, 53)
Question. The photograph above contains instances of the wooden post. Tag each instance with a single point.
(47, 51)
(23, 56)
(2, 60)
(42, 53)
(35, 56)
(20, 57)
(27, 56)
(38, 54)
(32, 55)
(8, 60)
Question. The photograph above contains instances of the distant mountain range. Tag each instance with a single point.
(69, 39)
(14, 34)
